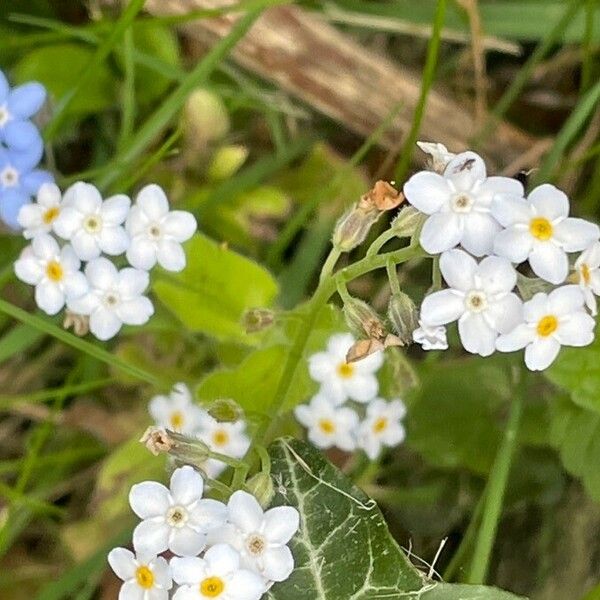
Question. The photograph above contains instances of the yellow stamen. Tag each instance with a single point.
(177, 420)
(547, 325)
(211, 587)
(380, 425)
(144, 577)
(584, 271)
(50, 215)
(54, 271)
(327, 426)
(345, 370)
(541, 228)
(220, 437)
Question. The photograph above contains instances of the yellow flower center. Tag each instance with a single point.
(50, 215)
(380, 425)
(327, 426)
(220, 437)
(256, 544)
(541, 228)
(177, 420)
(345, 370)
(211, 587)
(547, 325)
(584, 272)
(93, 224)
(54, 271)
(144, 577)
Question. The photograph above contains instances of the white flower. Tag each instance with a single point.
(440, 156)
(225, 438)
(146, 577)
(480, 297)
(176, 519)
(431, 338)
(53, 271)
(176, 411)
(458, 203)
(91, 225)
(341, 380)
(217, 575)
(260, 537)
(550, 321)
(382, 426)
(328, 425)
(40, 216)
(539, 229)
(115, 297)
(587, 272)
(157, 233)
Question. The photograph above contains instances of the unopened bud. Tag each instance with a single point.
(363, 320)
(439, 154)
(226, 161)
(384, 196)
(225, 411)
(79, 323)
(529, 286)
(352, 229)
(261, 487)
(182, 448)
(408, 221)
(403, 316)
(257, 319)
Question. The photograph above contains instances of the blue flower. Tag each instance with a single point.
(19, 180)
(17, 106)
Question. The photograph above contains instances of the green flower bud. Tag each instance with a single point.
(183, 449)
(408, 221)
(261, 487)
(257, 319)
(363, 320)
(403, 316)
(352, 228)
(226, 161)
(225, 411)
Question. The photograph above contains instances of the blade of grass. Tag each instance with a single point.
(84, 346)
(75, 455)
(587, 65)
(128, 90)
(156, 123)
(433, 50)
(102, 52)
(19, 338)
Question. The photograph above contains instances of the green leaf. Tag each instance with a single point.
(344, 549)
(58, 67)
(577, 370)
(215, 289)
(253, 382)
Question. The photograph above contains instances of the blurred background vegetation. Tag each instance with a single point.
(266, 148)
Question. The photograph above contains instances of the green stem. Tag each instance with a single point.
(330, 263)
(494, 495)
(379, 242)
(392, 274)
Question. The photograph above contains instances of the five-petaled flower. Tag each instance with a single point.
(431, 337)
(176, 411)
(40, 216)
(587, 275)
(382, 426)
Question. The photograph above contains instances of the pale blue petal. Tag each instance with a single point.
(32, 182)
(11, 201)
(26, 100)
(28, 159)
(4, 87)
(21, 135)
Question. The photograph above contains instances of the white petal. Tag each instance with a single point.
(130, 590)
(442, 307)
(141, 253)
(122, 562)
(565, 300)
(83, 305)
(476, 335)
(85, 245)
(497, 274)
(576, 234)
(479, 233)
(208, 514)
(245, 512)
(245, 585)
(281, 523)
(222, 559)
(68, 259)
(104, 324)
(162, 572)
(278, 564)
(509, 210)
(45, 246)
(75, 285)
(67, 222)
(186, 542)
(577, 330)
(502, 185)
(149, 499)
(180, 225)
(153, 201)
(101, 273)
(549, 262)
(465, 169)
(49, 297)
(132, 282)
(590, 256)
(187, 485)
(29, 270)
(370, 364)
(151, 537)
(186, 592)
(514, 243)
(135, 312)
(339, 344)
(187, 569)
(320, 366)
(170, 256)
(84, 197)
(506, 313)
(518, 338)
(458, 268)
(113, 240)
(549, 201)
(362, 388)
(540, 354)
(427, 191)
(115, 209)
(441, 232)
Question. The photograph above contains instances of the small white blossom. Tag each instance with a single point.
(440, 157)
(328, 425)
(540, 229)
(114, 298)
(175, 518)
(53, 271)
(431, 337)
(458, 203)
(39, 216)
(157, 233)
(260, 537)
(176, 411)
(217, 575)
(341, 380)
(550, 321)
(382, 426)
(587, 273)
(93, 226)
(225, 438)
(145, 577)
(480, 297)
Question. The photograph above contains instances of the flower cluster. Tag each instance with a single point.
(21, 147)
(79, 226)
(332, 416)
(178, 413)
(233, 551)
(492, 219)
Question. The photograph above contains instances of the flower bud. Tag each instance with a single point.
(439, 154)
(403, 316)
(257, 319)
(352, 228)
(226, 161)
(384, 196)
(79, 323)
(182, 448)
(407, 222)
(225, 410)
(261, 487)
(363, 320)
